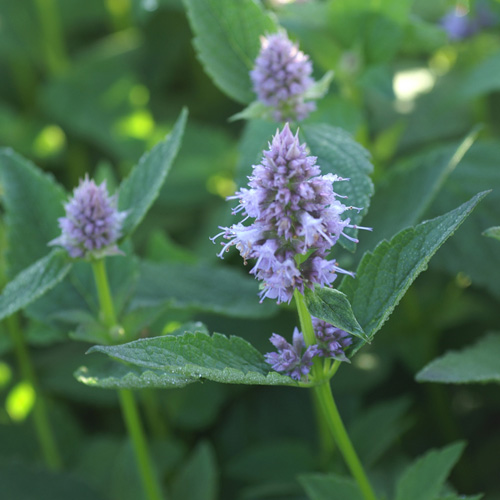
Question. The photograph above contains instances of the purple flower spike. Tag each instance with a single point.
(293, 360)
(281, 77)
(297, 220)
(332, 341)
(92, 224)
(458, 24)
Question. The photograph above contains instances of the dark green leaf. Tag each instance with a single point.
(227, 41)
(385, 274)
(388, 419)
(477, 363)
(424, 479)
(200, 287)
(339, 154)
(23, 482)
(33, 202)
(33, 282)
(202, 465)
(333, 306)
(141, 188)
(407, 192)
(199, 356)
(468, 252)
(330, 487)
(482, 79)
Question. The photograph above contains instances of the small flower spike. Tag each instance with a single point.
(291, 359)
(92, 224)
(297, 220)
(332, 341)
(281, 77)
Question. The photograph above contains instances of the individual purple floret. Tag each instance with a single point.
(332, 341)
(458, 24)
(297, 220)
(92, 224)
(281, 77)
(293, 360)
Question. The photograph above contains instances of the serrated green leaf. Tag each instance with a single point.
(492, 232)
(227, 41)
(34, 281)
(199, 356)
(385, 274)
(110, 374)
(141, 188)
(339, 154)
(202, 465)
(461, 497)
(33, 202)
(424, 479)
(330, 487)
(477, 363)
(200, 287)
(407, 192)
(332, 306)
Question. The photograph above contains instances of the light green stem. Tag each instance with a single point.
(53, 41)
(41, 420)
(324, 398)
(108, 315)
(128, 405)
(136, 433)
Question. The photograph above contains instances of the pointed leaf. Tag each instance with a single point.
(33, 282)
(227, 41)
(477, 363)
(200, 356)
(338, 153)
(333, 306)
(330, 487)
(111, 374)
(141, 188)
(214, 289)
(424, 479)
(492, 232)
(385, 274)
(33, 202)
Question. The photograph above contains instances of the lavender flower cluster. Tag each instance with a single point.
(297, 220)
(92, 224)
(296, 360)
(281, 77)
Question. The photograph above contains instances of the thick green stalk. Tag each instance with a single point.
(128, 405)
(324, 399)
(42, 425)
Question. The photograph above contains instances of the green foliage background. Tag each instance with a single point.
(88, 86)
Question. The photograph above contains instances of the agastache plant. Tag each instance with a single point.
(281, 77)
(297, 220)
(92, 224)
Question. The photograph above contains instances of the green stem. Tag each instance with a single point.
(324, 398)
(108, 315)
(128, 405)
(41, 420)
(136, 433)
(53, 39)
